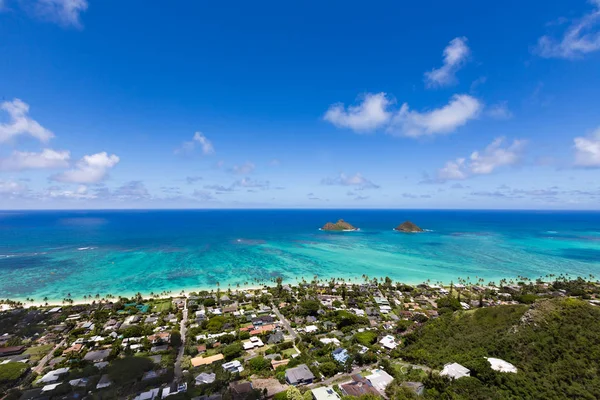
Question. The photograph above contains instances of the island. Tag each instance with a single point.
(341, 225)
(408, 227)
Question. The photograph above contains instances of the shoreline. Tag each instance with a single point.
(187, 291)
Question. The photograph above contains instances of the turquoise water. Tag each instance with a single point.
(54, 253)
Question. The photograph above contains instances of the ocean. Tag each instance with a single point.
(51, 254)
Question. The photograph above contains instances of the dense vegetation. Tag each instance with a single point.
(555, 344)
(12, 371)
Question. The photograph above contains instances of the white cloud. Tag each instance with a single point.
(20, 123)
(587, 150)
(46, 159)
(350, 180)
(367, 116)
(90, 169)
(133, 190)
(243, 169)
(63, 12)
(80, 193)
(12, 188)
(374, 113)
(199, 139)
(580, 38)
(461, 109)
(485, 162)
(456, 55)
(499, 111)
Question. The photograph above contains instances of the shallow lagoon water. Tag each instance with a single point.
(54, 253)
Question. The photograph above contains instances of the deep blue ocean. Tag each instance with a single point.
(54, 253)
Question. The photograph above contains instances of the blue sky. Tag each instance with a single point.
(413, 104)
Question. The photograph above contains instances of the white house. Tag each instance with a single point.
(455, 371)
(501, 365)
(389, 342)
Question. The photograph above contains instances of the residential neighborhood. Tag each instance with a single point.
(323, 340)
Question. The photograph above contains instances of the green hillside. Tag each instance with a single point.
(555, 344)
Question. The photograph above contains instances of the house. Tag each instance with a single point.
(325, 393)
(389, 342)
(300, 375)
(53, 376)
(104, 382)
(455, 371)
(173, 389)
(11, 351)
(149, 395)
(97, 356)
(380, 380)
(233, 366)
(330, 341)
(49, 388)
(197, 361)
(240, 390)
(310, 329)
(417, 387)
(501, 365)
(340, 355)
(205, 378)
(253, 343)
(80, 382)
(276, 337)
(358, 387)
(153, 374)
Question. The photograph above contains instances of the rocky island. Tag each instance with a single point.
(341, 225)
(408, 227)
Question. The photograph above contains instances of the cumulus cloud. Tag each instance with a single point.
(368, 115)
(20, 123)
(494, 156)
(375, 113)
(62, 12)
(580, 38)
(456, 55)
(461, 109)
(46, 159)
(243, 169)
(587, 150)
(356, 180)
(90, 169)
(198, 139)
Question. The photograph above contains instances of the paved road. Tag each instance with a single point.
(38, 369)
(178, 372)
(285, 323)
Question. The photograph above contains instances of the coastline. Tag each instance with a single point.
(185, 292)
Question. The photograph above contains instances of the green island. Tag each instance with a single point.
(408, 226)
(341, 225)
(320, 339)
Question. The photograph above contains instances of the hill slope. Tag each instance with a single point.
(555, 344)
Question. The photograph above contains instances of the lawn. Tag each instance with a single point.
(38, 352)
(162, 305)
(289, 352)
(12, 371)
